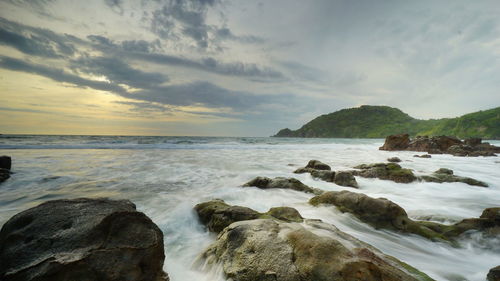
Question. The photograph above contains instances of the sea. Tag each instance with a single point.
(166, 176)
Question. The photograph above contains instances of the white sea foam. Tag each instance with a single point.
(166, 177)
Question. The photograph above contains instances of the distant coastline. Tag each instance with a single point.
(380, 121)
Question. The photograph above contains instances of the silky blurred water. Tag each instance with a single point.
(166, 176)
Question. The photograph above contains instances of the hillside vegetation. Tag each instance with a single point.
(380, 121)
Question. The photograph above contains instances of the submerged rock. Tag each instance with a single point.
(446, 175)
(385, 171)
(280, 182)
(394, 160)
(422, 156)
(345, 179)
(494, 274)
(81, 239)
(266, 249)
(383, 213)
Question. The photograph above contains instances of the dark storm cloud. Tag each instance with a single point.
(144, 50)
(146, 107)
(58, 75)
(31, 45)
(177, 19)
(190, 15)
(195, 93)
(46, 43)
(36, 41)
(117, 71)
(201, 93)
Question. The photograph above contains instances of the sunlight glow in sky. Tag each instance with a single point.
(238, 68)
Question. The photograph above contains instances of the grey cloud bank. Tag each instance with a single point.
(270, 64)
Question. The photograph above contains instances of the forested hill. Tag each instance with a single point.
(380, 121)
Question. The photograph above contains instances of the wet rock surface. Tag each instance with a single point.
(217, 215)
(446, 175)
(423, 156)
(281, 182)
(5, 162)
(383, 213)
(318, 165)
(440, 144)
(494, 274)
(81, 239)
(5, 166)
(394, 160)
(266, 249)
(385, 171)
(345, 179)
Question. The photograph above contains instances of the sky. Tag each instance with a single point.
(238, 68)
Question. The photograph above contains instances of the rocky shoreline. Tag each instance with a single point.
(471, 147)
(104, 239)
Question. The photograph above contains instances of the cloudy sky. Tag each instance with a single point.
(238, 68)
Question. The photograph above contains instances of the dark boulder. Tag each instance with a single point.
(446, 175)
(385, 171)
(473, 141)
(494, 274)
(383, 213)
(83, 240)
(422, 156)
(4, 175)
(394, 160)
(5, 162)
(396, 142)
(217, 215)
(325, 175)
(318, 165)
(345, 179)
(280, 182)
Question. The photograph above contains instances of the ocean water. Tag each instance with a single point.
(166, 176)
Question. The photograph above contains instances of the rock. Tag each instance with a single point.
(345, 179)
(396, 142)
(494, 274)
(458, 150)
(217, 215)
(473, 141)
(5, 162)
(280, 182)
(264, 249)
(380, 213)
(444, 142)
(81, 239)
(446, 175)
(385, 171)
(394, 159)
(423, 156)
(383, 213)
(328, 176)
(318, 165)
(287, 214)
(440, 145)
(4, 175)
(324, 173)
